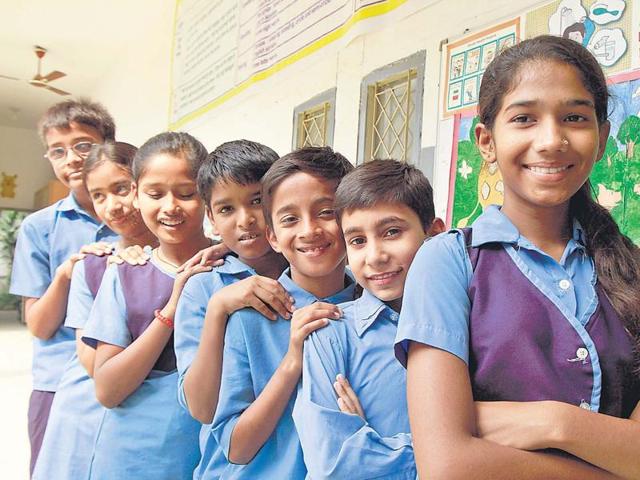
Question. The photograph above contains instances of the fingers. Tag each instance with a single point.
(349, 395)
(343, 406)
(312, 326)
(343, 399)
(133, 255)
(97, 248)
(195, 260)
(316, 311)
(77, 257)
(258, 305)
(214, 254)
(279, 301)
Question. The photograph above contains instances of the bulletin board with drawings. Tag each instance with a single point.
(609, 32)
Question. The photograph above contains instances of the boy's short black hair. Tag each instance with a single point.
(386, 181)
(82, 111)
(321, 162)
(241, 161)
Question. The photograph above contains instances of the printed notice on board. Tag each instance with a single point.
(220, 46)
(468, 58)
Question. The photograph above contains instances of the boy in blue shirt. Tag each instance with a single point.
(263, 359)
(48, 246)
(229, 183)
(360, 428)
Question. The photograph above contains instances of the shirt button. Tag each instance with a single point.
(582, 353)
(564, 284)
(584, 405)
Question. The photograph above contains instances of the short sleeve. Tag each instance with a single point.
(236, 389)
(436, 305)
(189, 321)
(108, 317)
(31, 273)
(80, 299)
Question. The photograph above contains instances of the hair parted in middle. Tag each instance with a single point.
(320, 162)
(179, 144)
(239, 161)
(389, 181)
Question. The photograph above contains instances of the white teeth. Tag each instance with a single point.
(547, 170)
(249, 236)
(171, 223)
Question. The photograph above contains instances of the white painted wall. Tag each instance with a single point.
(21, 153)
(137, 90)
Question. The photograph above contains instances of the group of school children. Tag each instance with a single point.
(159, 355)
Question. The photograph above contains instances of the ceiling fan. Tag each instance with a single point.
(39, 80)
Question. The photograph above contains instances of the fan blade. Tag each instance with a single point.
(53, 76)
(8, 77)
(57, 90)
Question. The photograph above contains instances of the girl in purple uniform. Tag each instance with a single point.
(534, 311)
(75, 415)
(145, 433)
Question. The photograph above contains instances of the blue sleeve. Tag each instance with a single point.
(337, 444)
(80, 299)
(436, 305)
(108, 317)
(31, 273)
(189, 320)
(236, 389)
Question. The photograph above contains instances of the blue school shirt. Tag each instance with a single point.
(189, 320)
(436, 306)
(254, 347)
(341, 445)
(47, 238)
(76, 414)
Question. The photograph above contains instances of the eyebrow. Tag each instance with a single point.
(576, 102)
(383, 222)
(75, 141)
(293, 206)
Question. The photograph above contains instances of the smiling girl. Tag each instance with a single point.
(146, 434)
(534, 311)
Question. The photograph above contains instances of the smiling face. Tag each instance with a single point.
(305, 231)
(68, 169)
(110, 190)
(168, 201)
(381, 243)
(545, 138)
(236, 215)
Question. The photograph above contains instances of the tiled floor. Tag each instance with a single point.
(15, 386)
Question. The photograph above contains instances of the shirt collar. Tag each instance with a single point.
(367, 309)
(233, 266)
(302, 297)
(70, 204)
(494, 226)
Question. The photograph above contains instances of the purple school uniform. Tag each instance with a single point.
(557, 358)
(160, 438)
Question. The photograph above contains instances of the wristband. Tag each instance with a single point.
(162, 319)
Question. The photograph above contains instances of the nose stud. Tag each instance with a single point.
(565, 144)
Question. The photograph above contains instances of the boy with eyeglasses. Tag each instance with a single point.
(50, 241)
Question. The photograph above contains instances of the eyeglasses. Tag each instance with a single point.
(81, 149)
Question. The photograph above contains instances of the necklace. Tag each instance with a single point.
(166, 262)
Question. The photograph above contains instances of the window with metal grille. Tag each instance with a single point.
(313, 121)
(392, 100)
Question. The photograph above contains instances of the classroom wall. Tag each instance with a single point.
(21, 154)
(137, 90)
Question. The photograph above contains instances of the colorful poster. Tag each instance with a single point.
(605, 27)
(467, 60)
(475, 184)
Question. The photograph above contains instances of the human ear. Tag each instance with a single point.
(273, 241)
(437, 226)
(603, 135)
(484, 140)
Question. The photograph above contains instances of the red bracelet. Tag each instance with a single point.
(166, 320)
